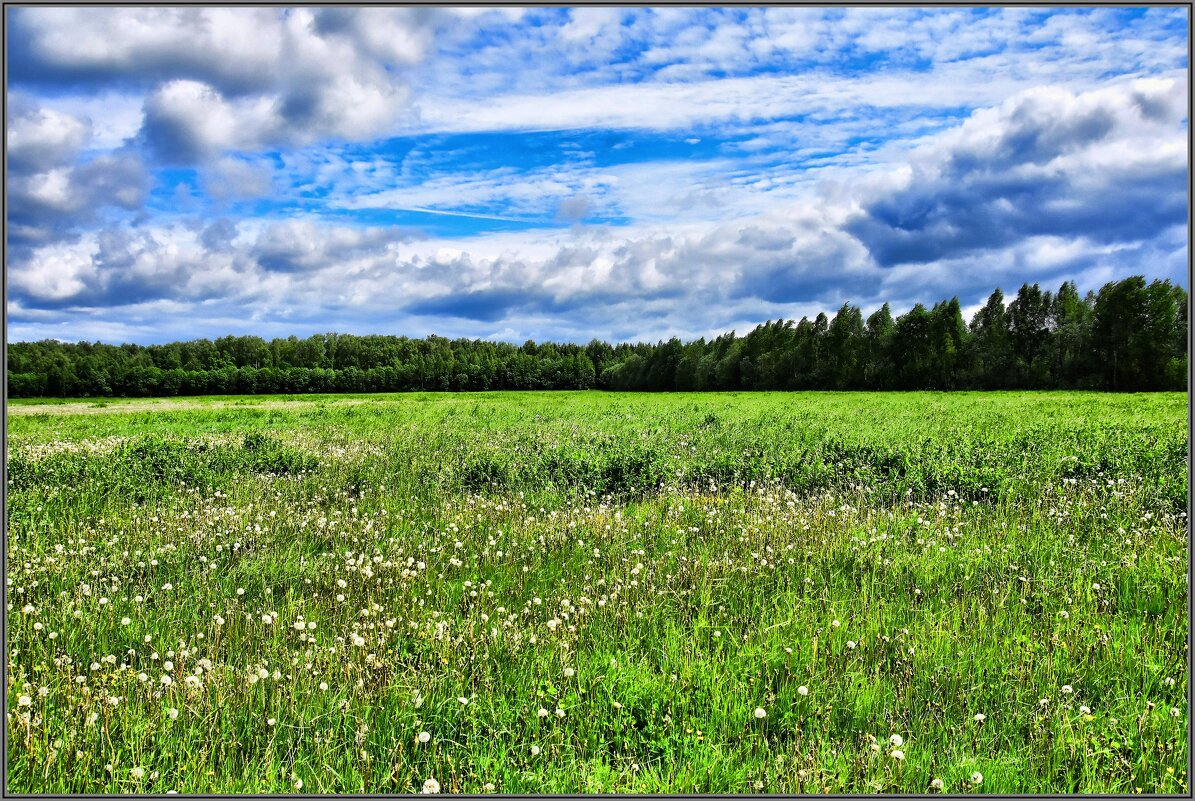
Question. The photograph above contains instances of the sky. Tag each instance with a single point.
(631, 174)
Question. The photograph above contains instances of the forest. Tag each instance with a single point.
(1129, 336)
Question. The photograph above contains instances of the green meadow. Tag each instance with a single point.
(582, 592)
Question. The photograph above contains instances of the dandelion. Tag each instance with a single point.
(137, 773)
(896, 740)
(267, 620)
(1067, 689)
(802, 691)
(835, 624)
(850, 644)
(124, 621)
(142, 677)
(898, 755)
(543, 713)
(559, 712)
(1084, 710)
(323, 685)
(976, 778)
(167, 665)
(173, 713)
(1175, 712)
(24, 700)
(298, 784)
(980, 717)
(167, 681)
(1043, 703)
(358, 640)
(535, 750)
(431, 786)
(463, 700)
(937, 785)
(760, 714)
(569, 673)
(271, 721)
(423, 737)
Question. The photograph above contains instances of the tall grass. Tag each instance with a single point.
(998, 580)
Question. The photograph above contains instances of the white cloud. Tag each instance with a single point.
(39, 139)
(236, 78)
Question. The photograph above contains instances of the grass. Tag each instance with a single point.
(648, 570)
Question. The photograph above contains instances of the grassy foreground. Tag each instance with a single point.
(583, 592)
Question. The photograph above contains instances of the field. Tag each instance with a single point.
(595, 592)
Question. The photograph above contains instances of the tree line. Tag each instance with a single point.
(1130, 336)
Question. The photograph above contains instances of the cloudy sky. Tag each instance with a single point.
(629, 174)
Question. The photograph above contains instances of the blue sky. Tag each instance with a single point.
(564, 174)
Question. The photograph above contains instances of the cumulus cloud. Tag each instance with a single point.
(233, 78)
(53, 204)
(40, 139)
(1109, 165)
